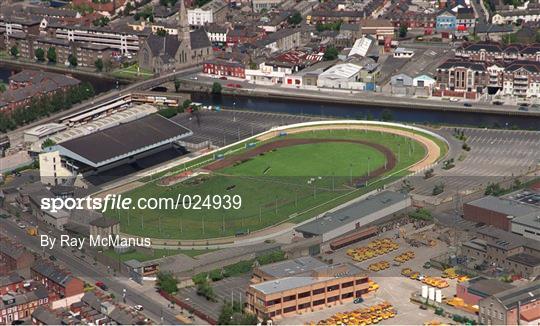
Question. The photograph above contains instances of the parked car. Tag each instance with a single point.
(102, 286)
(138, 307)
(498, 102)
(223, 78)
(523, 108)
(467, 104)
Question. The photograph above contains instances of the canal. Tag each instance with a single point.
(355, 111)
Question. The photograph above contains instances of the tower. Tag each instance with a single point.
(183, 24)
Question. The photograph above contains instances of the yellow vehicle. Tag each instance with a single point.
(463, 278)
(32, 231)
(414, 275)
(406, 272)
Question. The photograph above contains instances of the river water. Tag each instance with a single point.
(351, 111)
(355, 111)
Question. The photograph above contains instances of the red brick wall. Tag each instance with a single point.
(486, 216)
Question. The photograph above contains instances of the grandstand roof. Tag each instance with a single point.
(122, 141)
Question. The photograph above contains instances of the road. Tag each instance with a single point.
(91, 274)
(16, 135)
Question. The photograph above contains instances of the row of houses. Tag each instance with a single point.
(29, 85)
(470, 79)
(493, 52)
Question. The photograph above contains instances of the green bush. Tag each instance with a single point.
(168, 112)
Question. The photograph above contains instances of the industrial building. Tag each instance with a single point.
(317, 289)
(495, 211)
(286, 268)
(516, 306)
(516, 254)
(356, 215)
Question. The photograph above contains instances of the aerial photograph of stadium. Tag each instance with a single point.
(270, 162)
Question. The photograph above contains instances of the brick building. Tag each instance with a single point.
(494, 247)
(495, 211)
(218, 67)
(57, 281)
(516, 306)
(479, 288)
(20, 306)
(14, 258)
(315, 289)
(10, 283)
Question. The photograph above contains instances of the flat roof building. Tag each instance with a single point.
(527, 225)
(286, 268)
(355, 215)
(495, 211)
(317, 289)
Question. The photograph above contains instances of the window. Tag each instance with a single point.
(289, 309)
(334, 298)
(318, 291)
(318, 302)
(289, 298)
(347, 295)
(346, 285)
(304, 294)
(332, 288)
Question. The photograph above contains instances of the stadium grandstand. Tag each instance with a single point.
(106, 149)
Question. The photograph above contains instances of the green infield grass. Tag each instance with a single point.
(286, 184)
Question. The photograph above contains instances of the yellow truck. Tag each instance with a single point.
(32, 231)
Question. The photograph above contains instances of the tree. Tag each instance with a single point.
(421, 214)
(161, 32)
(3, 87)
(204, 289)
(99, 65)
(72, 59)
(102, 21)
(51, 54)
(40, 54)
(216, 88)
(129, 7)
(14, 51)
(295, 19)
(387, 115)
(402, 31)
(48, 143)
(331, 53)
(177, 85)
(167, 282)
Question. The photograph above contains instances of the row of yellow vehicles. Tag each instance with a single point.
(379, 266)
(452, 274)
(406, 256)
(373, 249)
(362, 316)
(431, 281)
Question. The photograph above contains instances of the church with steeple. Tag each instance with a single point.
(169, 52)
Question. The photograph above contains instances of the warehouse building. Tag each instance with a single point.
(356, 215)
(317, 289)
(495, 211)
(286, 268)
(527, 225)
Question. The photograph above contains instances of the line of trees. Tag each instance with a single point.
(46, 105)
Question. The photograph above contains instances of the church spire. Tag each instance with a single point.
(183, 27)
